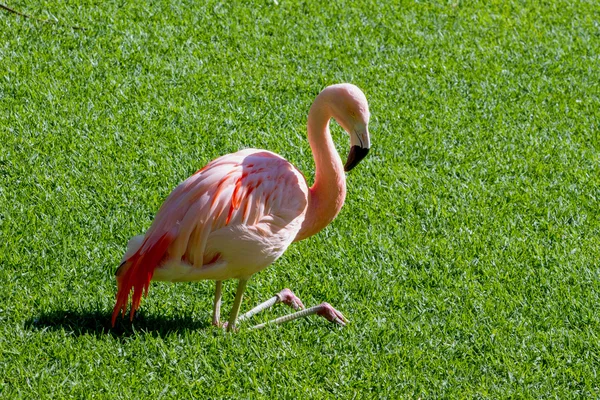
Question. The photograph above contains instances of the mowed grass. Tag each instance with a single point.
(466, 255)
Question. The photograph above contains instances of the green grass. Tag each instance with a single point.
(466, 256)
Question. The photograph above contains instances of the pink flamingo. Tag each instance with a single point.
(239, 213)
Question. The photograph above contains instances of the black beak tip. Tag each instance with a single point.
(356, 154)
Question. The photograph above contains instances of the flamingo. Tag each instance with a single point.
(239, 214)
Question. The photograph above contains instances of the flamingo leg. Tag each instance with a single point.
(286, 296)
(324, 309)
(235, 310)
(217, 304)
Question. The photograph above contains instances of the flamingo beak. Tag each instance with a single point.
(356, 154)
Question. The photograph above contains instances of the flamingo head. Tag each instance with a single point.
(350, 109)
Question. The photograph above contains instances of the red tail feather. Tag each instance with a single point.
(136, 274)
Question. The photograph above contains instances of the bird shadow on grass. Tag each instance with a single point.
(97, 323)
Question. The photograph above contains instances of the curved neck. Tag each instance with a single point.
(327, 194)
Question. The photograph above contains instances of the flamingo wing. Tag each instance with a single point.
(233, 217)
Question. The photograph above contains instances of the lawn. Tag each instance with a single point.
(466, 256)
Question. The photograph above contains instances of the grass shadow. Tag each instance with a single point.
(98, 323)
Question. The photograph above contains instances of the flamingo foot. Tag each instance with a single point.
(225, 324)
(331, 314)
(287, 297)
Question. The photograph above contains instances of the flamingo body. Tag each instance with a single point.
(231, 219)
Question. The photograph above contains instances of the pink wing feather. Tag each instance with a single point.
(250, 187)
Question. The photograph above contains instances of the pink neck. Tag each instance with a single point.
(326, 196)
